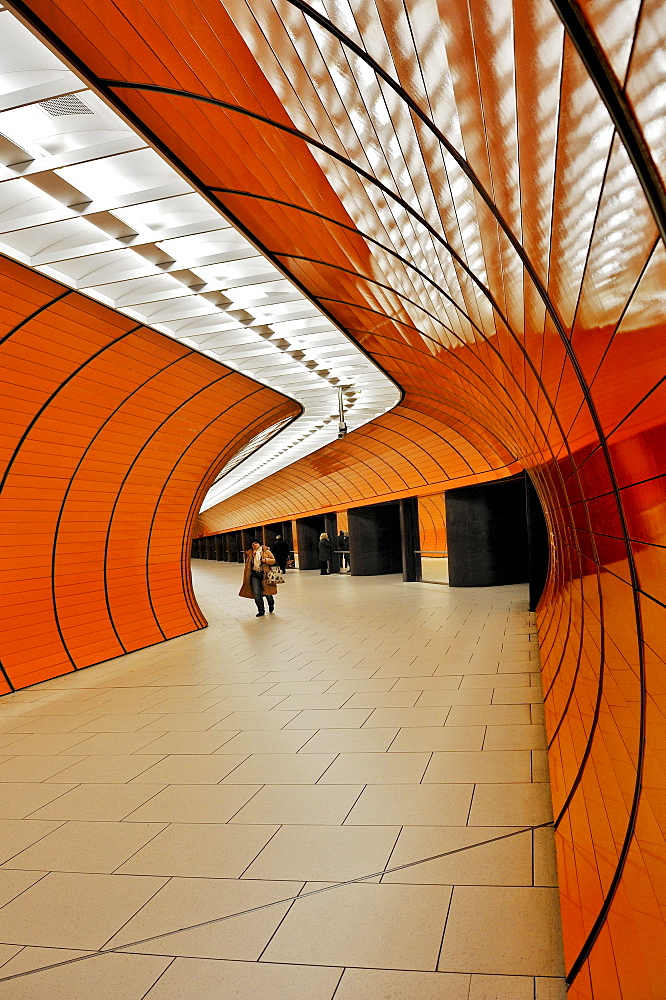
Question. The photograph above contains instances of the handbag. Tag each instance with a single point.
(274, 575)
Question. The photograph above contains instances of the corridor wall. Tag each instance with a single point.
(474, 192)
(111, 434)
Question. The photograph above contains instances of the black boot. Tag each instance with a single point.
(260, 607)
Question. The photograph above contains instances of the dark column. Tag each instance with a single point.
(331, 528)
(288, 535)
(487, 534)
(410, 540)
(538, 543)
(309, 530)
(375, 540)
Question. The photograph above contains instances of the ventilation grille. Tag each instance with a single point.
(69, 105)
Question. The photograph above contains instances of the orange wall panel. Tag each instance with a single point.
(111, 435)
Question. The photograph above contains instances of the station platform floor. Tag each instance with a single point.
(348, 798)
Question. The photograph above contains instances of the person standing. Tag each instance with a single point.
(281, 552)
(325, 553)
(343, 549)
(255, 584)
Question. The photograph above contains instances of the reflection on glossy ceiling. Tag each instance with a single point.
(473, 192)
(85, 200)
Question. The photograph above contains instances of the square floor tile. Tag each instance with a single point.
(407, 717)
(317, 701)
(18, 834)
(185, 722)
(113, 744)
(96, 802)
(221, 905)
(450, 683)
(281, 769)
(95, 848)
(13, 883)
(45, 744)
(380, 984)
(550, 989)
(266, 741)
(364, 924)
(438, 738)
(194, 769)
(274, 718)
(501, 988)
(20, 799)
(185, 743)
(120, 723)
(105, 977)
(515, 738)
(517, 696)
(383, 699)
(511, 805)
(198, 979)
(521, 932)
(480, 766)
(97, 906)
(324, 853)
(412, 805)
(342, 718)
(494, 861)
(115, 769)
(350, 741)
(318, 804)
(33, 768)
(376, 768)
(467, 696)
(200, 850)
(193, 804)
(489, 715)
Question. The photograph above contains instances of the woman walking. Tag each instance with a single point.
(325, 553)
(255, 584)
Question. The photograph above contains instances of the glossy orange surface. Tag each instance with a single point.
(455, 195)
(111, 435)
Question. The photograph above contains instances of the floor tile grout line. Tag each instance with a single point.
(446, 920)
(279, 924)
(43, 876)
(353, 804)
(240, 808)
(265, 906)
(140, 806)
(338, 754)
(167, 879)
(261, 849)
(165, 826)
(162, 973)
(337, 985)
(49, 803)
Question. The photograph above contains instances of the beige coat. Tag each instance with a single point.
(267, 559)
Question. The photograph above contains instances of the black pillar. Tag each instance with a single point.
(375, 540)
(487, 534)
(308, 530)
(410, 539)
(538, 544)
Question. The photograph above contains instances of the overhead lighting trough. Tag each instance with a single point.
(85, 200)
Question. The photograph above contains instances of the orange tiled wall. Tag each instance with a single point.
(490, 245)
(110, 435)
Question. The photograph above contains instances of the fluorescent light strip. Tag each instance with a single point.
(86, 201)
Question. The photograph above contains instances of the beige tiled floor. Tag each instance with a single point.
(334, 801)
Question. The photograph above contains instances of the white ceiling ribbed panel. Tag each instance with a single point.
(86, 201)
